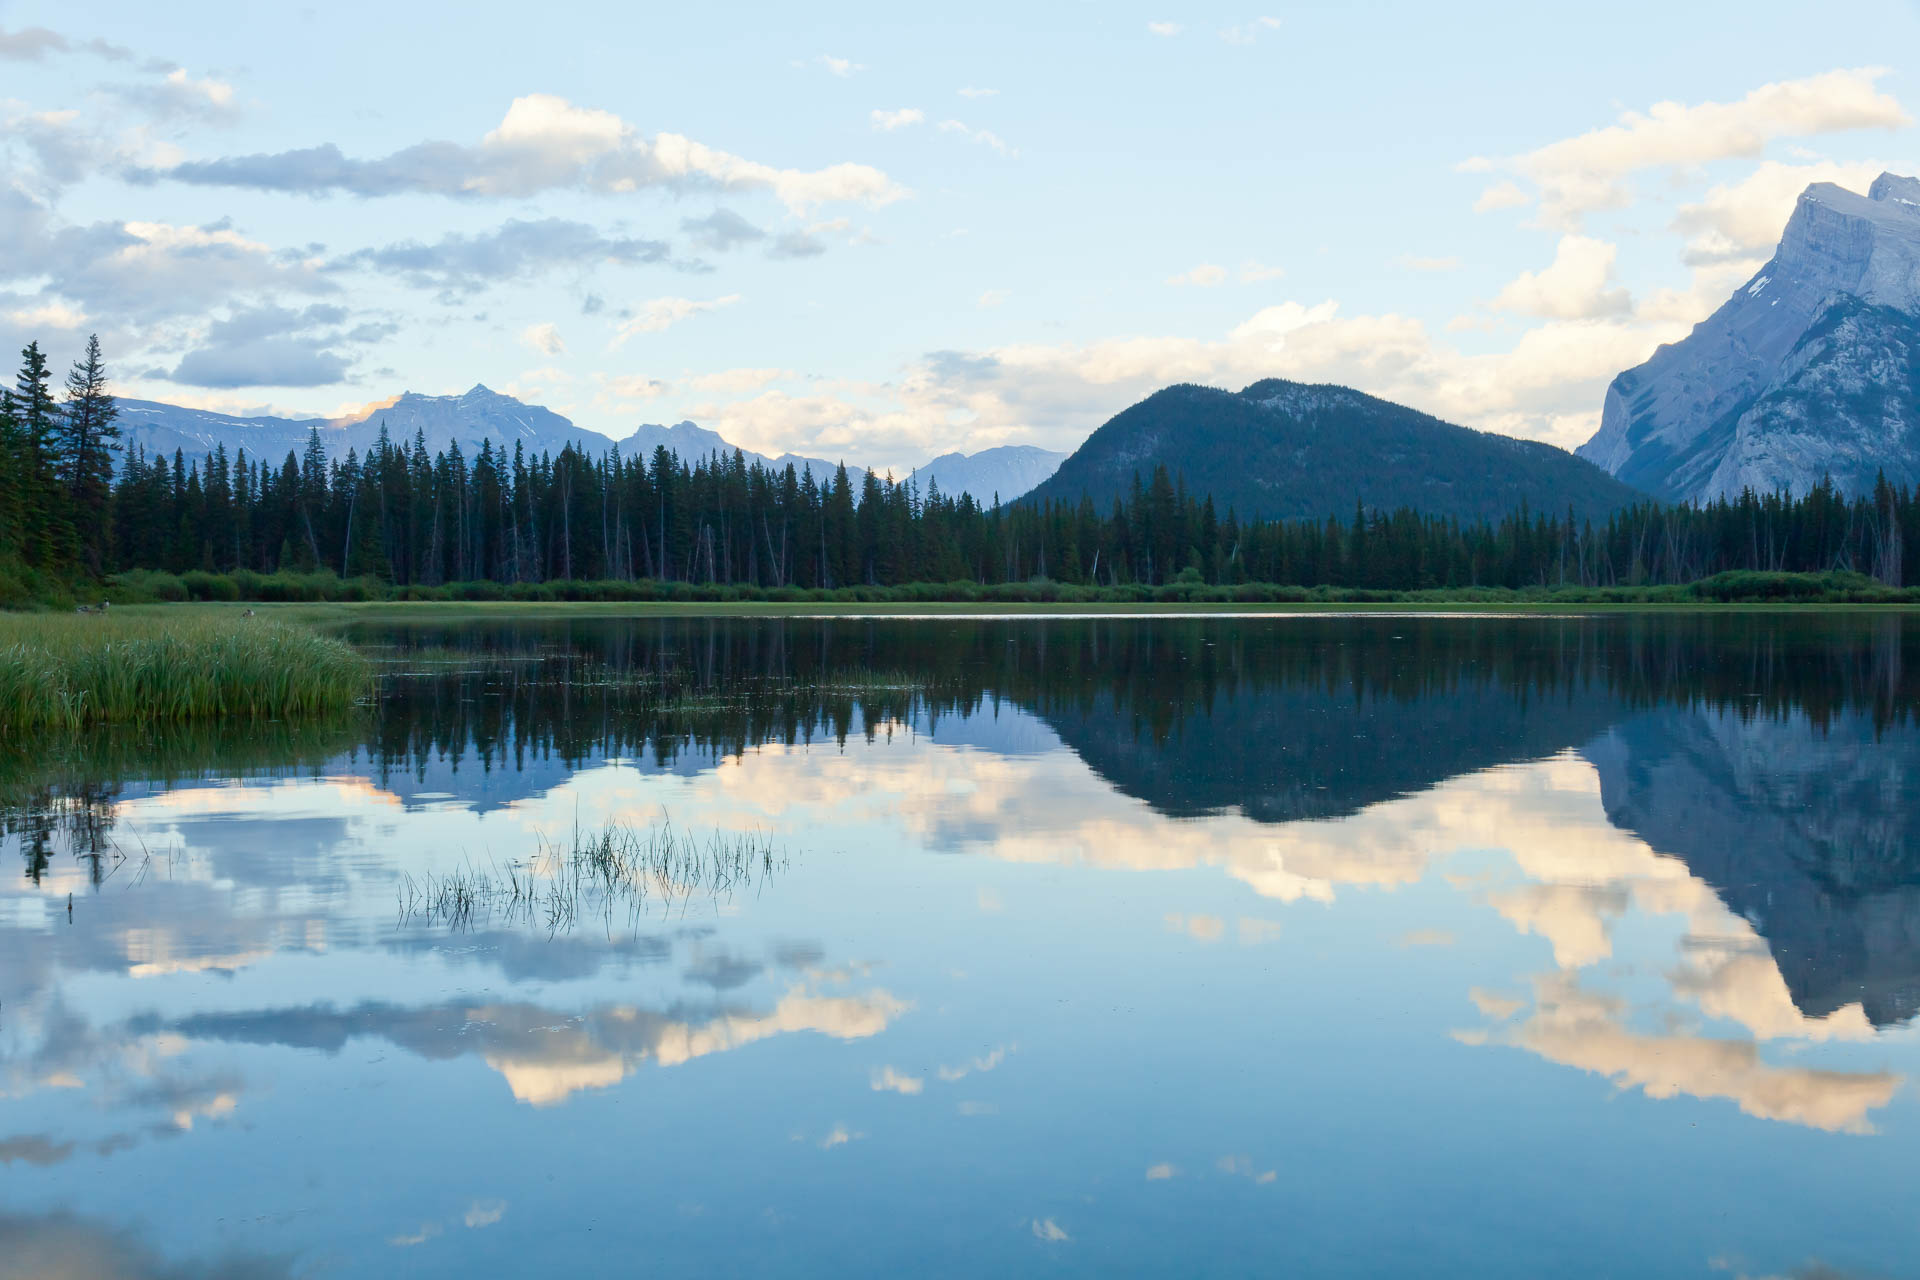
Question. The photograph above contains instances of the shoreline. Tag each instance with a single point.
(442, 610)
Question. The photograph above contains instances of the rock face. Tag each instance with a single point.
(1811, 368)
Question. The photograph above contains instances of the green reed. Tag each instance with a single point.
(63, 671)
(593, 874)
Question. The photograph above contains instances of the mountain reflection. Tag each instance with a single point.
(1811, 831)
(1753, 785)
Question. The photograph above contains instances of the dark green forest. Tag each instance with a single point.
(75, 509)
(1281, 450)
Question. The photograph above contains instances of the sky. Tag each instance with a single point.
(881, 232)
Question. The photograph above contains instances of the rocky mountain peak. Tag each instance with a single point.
(1891, 187)
(1811, 368)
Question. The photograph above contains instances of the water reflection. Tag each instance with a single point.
(1044, 873)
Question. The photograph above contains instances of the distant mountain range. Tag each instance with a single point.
(1006, 472)
(1811, 368)
(480, 414)
(693, 443)
(1287, 450)
(484, 415)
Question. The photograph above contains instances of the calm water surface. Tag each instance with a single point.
(1342, 947)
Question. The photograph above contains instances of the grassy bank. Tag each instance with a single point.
(67, 671)
(1739, 587)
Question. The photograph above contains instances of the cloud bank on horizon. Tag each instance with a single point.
(909, 246)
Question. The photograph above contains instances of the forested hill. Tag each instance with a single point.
(1287, 450)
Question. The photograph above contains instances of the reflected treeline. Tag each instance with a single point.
(1284, 718)
(58, 788)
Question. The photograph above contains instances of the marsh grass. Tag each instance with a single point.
(70, 671)
(618, 870)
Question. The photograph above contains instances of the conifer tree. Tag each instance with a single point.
(89, 437)
(46, 526)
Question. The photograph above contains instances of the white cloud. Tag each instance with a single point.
(1199, 928)
(887, 1080)
(1248, 32)
(1205, 276)
(659, 314)
(1161, 1172)
(1743, 220)
(543, 143)
(1577, 286)
(735, 381)
(982, 1064)
(1501, 195)
(1587, 172)
(47, 315)
(982, 136)
(1584, 1029)
(1165, 29)
(544, 338)
(178, 95)
(1049, 1230)
(888, 121)
(994, 297)
(616, 392)
(1547, 385)
(1255, 272)
(537, 386)
(842, 67)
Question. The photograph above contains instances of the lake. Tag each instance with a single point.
(1333, 946)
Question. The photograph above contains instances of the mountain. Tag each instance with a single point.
(1008, 472)
(480, 414)
(694, 444)
(1811, 368)
(1287, 450)
(161, 429)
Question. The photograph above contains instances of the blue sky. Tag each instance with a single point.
(882, 233)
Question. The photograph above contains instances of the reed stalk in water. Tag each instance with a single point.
(593, 874)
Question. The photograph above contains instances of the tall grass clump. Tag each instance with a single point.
(71, 671)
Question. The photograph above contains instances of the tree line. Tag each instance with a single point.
(410, 517)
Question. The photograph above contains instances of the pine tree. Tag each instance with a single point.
(89, 437)
(46, 529)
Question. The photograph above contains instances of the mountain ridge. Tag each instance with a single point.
(482, 414)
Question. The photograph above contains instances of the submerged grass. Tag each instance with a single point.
(594, 874)
(70, 671)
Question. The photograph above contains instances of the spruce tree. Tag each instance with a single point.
(89, 437)
(46, 531)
